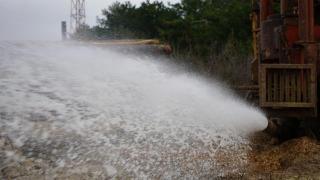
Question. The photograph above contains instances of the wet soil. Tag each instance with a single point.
(294, 159)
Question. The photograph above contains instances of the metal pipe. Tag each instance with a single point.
(306, 20)
(311, 20)
(266, 9)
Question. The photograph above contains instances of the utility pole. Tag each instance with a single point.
(78, 15)
(64, 30)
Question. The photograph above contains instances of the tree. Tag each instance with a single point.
(204, 22)
(126, 21)
(191, 25)
(151, 18)
(118, 21)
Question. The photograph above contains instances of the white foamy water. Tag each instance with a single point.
(84, 109)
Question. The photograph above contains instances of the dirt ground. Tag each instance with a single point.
(293, 159)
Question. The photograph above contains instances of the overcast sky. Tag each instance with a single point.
(41, 19)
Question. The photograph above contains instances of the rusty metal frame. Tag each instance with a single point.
(308, 87)
(289, 112)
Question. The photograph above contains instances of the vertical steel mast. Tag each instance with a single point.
(78, 15)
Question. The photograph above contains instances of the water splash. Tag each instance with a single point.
(82, 109)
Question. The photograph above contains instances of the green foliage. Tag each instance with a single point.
(118, 23)
(211, 34)
(190, 23)
(123, 21)
(203, 23)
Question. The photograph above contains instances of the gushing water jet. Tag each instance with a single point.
(89, 110)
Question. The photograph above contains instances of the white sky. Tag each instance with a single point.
(41, 19)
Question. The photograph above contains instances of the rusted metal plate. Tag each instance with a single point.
(287, 104)
(246, 87)
(288, 36)
(270, 37)
(290, 112)
(311, 54)
(288, 66)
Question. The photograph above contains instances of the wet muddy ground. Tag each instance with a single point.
(293, 159)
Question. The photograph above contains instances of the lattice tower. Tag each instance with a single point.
(78, 15)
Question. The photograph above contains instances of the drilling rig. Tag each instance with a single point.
(78, 15)
(286, 65)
